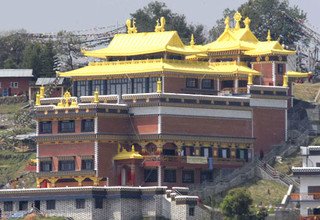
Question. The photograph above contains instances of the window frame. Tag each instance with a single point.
(207, 87)
(63, 163)
(43, 163)
(8, 206)
(41, 127)
(23, 205)
(83, 125)
(69, 130)
(280, 68)
(50, 204)
(80, 203)
(98, 203)
(192, 83)
(83, 161)
(147, 176)
(14, 85)
(187, 172)
(170, 177)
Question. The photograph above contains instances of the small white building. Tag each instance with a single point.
(309, 175)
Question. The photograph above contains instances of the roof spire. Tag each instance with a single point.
(192, 43)
(237, 17)
(131, 26)
(226, 22)
(160, 26)
(269, 36)
(247, 22)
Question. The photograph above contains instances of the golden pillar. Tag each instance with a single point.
(159, 86)
(285, 80)
(38, 99)
(96, 97)
(42, 92)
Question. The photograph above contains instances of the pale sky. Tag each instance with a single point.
(45, 16)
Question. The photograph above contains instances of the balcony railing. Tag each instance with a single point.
(66, 173)
(305, 196)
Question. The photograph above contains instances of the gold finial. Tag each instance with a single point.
(159, 86)
(250, 79)
(96, 97)
(227, 23)
(160, 26)
(41, 92)
(67, 97)
(269, 36)
(38, 99)
(131, 26)
(132, 148)
(247, 22)
(74, 103)
(237, 17)
(285, 80)
(192, 43)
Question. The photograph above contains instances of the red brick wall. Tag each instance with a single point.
(66, 149)
(269, 128)
(105, 161)
(146, 124)
(266, 70)
(23, 85)
(206, 126)
(114, 125)
(174, 85)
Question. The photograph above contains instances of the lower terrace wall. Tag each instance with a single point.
(117, 203)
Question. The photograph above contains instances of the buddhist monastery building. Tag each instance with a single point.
(154, 111)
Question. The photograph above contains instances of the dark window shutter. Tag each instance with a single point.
(74, 88)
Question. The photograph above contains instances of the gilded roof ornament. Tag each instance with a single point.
(131, 26)
(237, 17)
(247, 22)
(269, 36)
(192, 43)
(226, 22)
(160, 27)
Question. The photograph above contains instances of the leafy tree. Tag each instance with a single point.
(146, 20)
(236, 203)
(276, 15)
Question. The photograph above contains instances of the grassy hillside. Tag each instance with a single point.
(306, 91)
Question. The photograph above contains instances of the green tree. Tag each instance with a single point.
(146, 20)
(276, 15)
(40, 58)
(236, 204)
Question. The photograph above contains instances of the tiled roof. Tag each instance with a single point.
(16, 73)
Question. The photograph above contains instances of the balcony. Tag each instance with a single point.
(305, 196)
(158, 160)
(66, 173)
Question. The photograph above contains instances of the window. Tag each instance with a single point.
(313, 189)
(45, 127)
(46, 166)
(66, 126)
(224, 153)
(80, 203)
(280, 68)
(191, 210)
(51, 204)
(14, 84)
(98, 85)
(153, 84)
(242, 154)
(227, 84)
(242, 83)
(118, 86)
(169, 176)
(7, 206)
(23, 205)
(83, 88)
(150, 175)
(169, 152)
(87, 125)
(192, 83)
(87, 164)
(317, 164)
(98, 203)
(207, 84)
(139, 85)
(206, 152)
(66, 165)
(188, 176)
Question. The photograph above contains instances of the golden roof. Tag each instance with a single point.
(294, 74)
(117, 68)
(125, 155)
(244, 40)
(143, 43)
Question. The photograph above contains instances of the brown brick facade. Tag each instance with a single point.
(23, 85)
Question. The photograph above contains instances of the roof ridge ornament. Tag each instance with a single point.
(226, 22)
(247, 22)
(160, 26)
(192, 42)
(237, 17)
(131, 26)
(269, 36)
